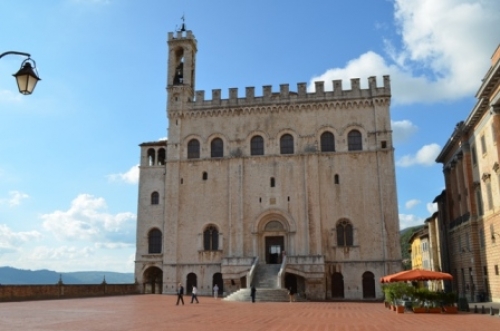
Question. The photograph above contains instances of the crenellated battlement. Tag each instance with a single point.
(302, 95)
(181, 35)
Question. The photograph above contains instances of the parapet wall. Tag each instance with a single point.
(286, 96)
(64, 291)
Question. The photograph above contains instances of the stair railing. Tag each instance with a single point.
(251, 273)
(281, 273)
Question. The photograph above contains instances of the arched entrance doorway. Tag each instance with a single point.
(337, 285)
(152, 280)
(217, 279)
(190, 282)
(274, 242)
(368, 285)
(291, 282)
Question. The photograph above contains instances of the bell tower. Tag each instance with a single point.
(181, 70)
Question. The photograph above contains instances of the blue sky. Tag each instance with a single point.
(69, 152)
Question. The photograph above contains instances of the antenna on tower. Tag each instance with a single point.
(183, 27)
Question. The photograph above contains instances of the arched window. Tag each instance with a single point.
(151, 157)
(161, 156)
(154, 241)
(257, 145)
(211, 238)
(217, 148)
(193, 149)
(354, 141)
(336, 179)
(344, 233)
(155, 198)
(327, 142)
(286, 144)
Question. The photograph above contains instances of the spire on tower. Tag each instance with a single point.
(183, 27)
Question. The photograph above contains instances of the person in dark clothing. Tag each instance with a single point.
(291, 294)
(252, 293)
(180, 294)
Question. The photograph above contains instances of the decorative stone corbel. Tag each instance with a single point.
(496, 167)
(485, 177)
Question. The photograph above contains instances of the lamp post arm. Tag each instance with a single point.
(15, 53)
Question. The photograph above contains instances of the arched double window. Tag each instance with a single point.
(257, 145)
(354, 140)
(286, 144)
(217, 148)
(327, 142)
(211, 238)
(155, 198)
(154, 241)
(344, 233)
(193, 149)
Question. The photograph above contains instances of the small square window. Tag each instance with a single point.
(384, 144)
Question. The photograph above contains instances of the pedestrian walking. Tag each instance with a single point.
(291, 293)
(216, 291)
(194, 293)
(180, 294)
(252, 293)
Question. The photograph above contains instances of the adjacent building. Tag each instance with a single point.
(471, 205)
(303, 180)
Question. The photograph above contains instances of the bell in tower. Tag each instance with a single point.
(178, 78)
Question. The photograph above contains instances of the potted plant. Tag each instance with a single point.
(418, 308)
(400, 291)
(435, 305)
(420, 296)
(387, 296)
(449, 303)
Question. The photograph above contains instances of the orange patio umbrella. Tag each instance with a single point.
(416, 275)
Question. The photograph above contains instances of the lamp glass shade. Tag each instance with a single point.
(26, 79)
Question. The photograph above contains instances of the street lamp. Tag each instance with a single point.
(27, 76)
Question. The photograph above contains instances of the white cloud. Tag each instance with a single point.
(15, 198)
(84, 220)
(411, 203)
(402, 130)
(7, 96)
(440, 58)
(113, 245)
(408, 220)
(10, 240)
(43, 253)
(432, 207)
(129, 177)
(426, 156)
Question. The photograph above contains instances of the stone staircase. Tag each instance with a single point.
(265, 280)
(266, 276)
(262, 295)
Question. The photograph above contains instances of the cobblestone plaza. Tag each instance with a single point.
(159, 312)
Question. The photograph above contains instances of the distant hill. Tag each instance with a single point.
(13, 276)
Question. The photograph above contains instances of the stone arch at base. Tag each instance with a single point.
(152, 280)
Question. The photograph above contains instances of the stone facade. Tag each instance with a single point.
(297, 178)
(471, 208)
